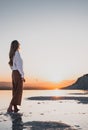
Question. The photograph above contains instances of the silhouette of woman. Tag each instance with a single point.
(16, 65)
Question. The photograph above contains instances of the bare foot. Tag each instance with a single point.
(16, 110)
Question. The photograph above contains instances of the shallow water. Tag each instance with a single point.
(68, 111)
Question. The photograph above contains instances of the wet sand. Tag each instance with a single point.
(47, 113)
(18, 124)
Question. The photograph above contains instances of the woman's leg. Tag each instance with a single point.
(17, 90)
(10, 108)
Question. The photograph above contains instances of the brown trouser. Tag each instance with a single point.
(17, 88)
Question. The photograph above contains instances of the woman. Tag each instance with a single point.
(16, 65)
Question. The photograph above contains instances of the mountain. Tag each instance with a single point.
(81, 83)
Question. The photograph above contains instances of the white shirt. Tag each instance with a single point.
(18, 63)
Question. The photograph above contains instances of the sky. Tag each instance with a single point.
(53, 35)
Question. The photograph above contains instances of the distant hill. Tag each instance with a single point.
(81, 83)
(5, 85)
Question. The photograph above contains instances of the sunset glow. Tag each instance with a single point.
(53, 38)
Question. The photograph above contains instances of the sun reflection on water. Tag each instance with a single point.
(56, 92)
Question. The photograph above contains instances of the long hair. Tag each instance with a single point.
(13, 48)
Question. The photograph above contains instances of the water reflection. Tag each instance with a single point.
(17, 123)
(83, 100)
(39, 125)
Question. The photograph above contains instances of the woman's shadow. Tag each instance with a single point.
(17, 123)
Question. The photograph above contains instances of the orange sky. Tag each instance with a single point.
(35, 82)
(53, 38)
(39, 83)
